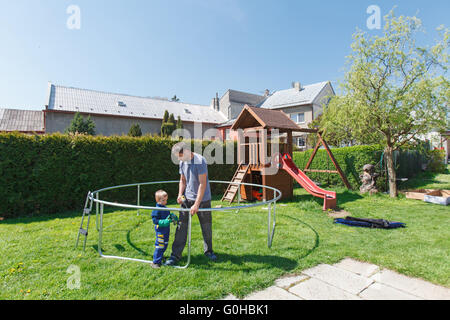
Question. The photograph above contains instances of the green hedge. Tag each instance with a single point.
(53, 173)
(352, 159)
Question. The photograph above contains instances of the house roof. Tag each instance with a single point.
(293, 97)
(244, 97)
(21, 120)
(96, 102)
(266, 118)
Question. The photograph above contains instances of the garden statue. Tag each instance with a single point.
(369, 179)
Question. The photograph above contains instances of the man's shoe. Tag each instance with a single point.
(211, 256)
(156, 265)
(171, 262)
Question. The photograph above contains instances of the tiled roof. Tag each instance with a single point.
(21, 120)
(96, 102)
(254, 117)
(293, 97)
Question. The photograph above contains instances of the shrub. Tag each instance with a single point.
(352, 159)
(437, 161)
(53, 173)
(79, 125)
(135, 131)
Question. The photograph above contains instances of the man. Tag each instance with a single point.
(194, 186)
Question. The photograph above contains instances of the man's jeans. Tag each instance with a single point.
(205, 219)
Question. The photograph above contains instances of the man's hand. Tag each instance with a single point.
(194, 209)
(180, 199)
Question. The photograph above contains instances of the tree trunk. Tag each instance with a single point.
(389, 156)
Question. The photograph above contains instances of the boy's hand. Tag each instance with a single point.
(164, 223)
(174, 218)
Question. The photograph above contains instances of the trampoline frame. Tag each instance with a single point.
(99, 210)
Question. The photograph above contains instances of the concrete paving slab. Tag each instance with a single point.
(339, 278)
(361, 268)
(417, 287)
(272, 293)
(314, 289)
(287, 282)
(379, 291)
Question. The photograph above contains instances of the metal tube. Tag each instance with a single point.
(100, 231)
(96, 210)
(138, 197)
(189, 244)
(277, 196)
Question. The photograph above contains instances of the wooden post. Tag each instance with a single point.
(336, 165)
(314, 153)
(289, 143)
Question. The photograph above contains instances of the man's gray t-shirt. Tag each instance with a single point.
(191, 170)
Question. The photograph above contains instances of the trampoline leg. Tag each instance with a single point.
(100, 231)
(138, 197)
(96, 212)
(189, 244)
(270, 231)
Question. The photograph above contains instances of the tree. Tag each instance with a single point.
(135, 131)
(175, 99)
(81, 126)
(168, 126)
(166, 116)
(179, 123)
(394, 91)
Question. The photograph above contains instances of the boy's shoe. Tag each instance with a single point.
(156, 265)
(170, 262)
(211, 256)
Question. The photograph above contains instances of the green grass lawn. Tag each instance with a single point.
(36, 252)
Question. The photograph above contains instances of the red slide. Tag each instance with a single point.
(329, 197)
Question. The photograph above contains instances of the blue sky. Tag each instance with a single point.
(191, 48)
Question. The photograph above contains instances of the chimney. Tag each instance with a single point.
(266, 93)
(215, 102)
(297, 86)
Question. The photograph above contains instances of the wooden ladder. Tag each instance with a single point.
(238, 177)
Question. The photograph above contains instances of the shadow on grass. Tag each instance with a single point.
(421, 180)
(316, 239)
(242, 262)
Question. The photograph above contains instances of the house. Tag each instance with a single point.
(114, 113)
(302, 104)
(24, 121)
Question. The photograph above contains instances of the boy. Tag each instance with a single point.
(161, 220)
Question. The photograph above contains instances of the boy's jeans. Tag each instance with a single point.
(205, 219)
(162, 240)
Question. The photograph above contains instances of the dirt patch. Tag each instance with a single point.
(339, 214)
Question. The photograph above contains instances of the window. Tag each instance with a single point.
(227, 134)
(298, 117)
(121, 104)
(301, 142)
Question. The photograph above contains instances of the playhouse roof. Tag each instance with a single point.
(266, 118)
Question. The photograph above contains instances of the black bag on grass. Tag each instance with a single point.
(369, 223)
